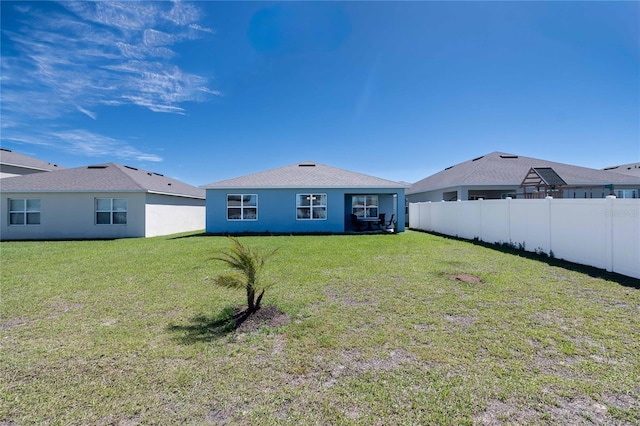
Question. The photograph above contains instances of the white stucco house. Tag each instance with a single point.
(499, 175)
(95, 202)
(15, 164)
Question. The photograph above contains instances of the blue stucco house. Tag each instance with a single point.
(305, 198)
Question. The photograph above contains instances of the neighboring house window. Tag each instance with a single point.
(111, 211)
(242, 206)
(311, 206)
(24, 211)
(626, 193)
(365, 206)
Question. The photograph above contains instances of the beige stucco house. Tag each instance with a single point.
(100, 201)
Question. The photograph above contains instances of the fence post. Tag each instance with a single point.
(549, 201)
(608, 230)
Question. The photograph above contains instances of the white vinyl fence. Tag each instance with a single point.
(604, 233)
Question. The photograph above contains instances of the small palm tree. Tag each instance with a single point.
(248, 265)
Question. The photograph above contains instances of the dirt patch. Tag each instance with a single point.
(63, 308)
(466, 320)
(267, 316)
(15, 322)
(499, 413)
(467, 278)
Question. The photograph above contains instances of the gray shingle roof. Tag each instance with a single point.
(10, 158)
(632, 169)
(100, 178)
(305, 175)
(499, 168)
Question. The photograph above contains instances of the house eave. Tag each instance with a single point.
(22, 166)
(172, 194)
(253, 188)
(100, 191)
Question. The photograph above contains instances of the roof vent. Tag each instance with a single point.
(450, 167)
(477, 158)
(157, 174)
(96, 167)
(306, 165)
(612, 168)
(132, 168)
(508, 156)
(6, 150)
(169, 184)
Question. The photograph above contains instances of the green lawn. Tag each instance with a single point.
(124, 332)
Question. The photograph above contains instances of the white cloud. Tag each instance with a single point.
(87, 112)
(100, 53)
(78, 57)
(81, 142)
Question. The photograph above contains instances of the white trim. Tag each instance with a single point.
(242, 207)
(311, 197)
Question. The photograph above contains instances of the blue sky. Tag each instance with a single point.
(205, 91)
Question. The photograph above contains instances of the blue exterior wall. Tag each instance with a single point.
(277, 210)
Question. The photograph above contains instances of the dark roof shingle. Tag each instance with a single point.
(499, 168)
(101, 178)
(305, 175)
(10, 158)
(631, 169)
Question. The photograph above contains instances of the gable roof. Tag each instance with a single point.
(542, 175)
(10, 158)
(499, 168)
(305, 175)
(109, 177)
(632, 169)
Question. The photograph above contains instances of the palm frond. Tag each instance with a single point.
(230, 281)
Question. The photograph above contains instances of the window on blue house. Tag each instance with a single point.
(365, 206)
(311, 206)
(242, 206)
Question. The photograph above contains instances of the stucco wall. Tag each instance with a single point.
(277, 211)
(169, 215)
(72, 216)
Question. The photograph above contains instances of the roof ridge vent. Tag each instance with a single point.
(508, 156)
(97, 167)
(5, 149)
(132, 168)
(307, 164)
(478, 158)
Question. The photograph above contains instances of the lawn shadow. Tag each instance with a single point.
(203, 328)
(592, 271)
(180, 237)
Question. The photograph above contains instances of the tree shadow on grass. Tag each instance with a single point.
(203, 328)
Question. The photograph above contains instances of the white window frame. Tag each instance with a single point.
(315, 205)
(25, 211)
(112, 211)
(244, 209)
(363, 211)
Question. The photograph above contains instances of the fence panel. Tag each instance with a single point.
(604, 233)
(625, 231)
